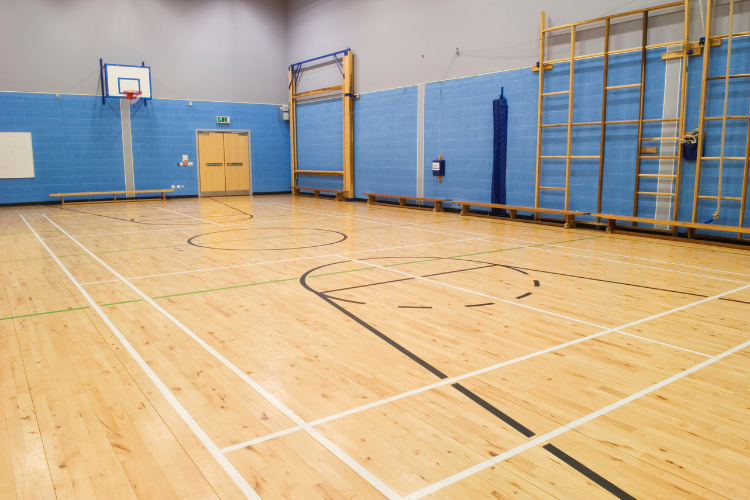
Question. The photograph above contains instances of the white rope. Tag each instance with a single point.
(726, 100)
(703, 21)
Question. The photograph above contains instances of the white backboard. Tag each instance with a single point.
(118, 78)
(16, 156)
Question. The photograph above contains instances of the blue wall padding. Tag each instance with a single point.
(499, 151)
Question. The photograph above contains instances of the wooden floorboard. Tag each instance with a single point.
(350, 351)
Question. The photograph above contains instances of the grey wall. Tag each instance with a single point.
(406, 42)
(219, 50)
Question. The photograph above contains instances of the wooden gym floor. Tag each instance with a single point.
(281, 347)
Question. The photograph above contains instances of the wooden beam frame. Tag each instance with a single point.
(543, 65)
(702, 112)
(347, 95)
(702, 119)
(683, 111)
(348, 98)
(642, 97)
(540, 107)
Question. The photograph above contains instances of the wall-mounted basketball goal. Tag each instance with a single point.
(122, 81)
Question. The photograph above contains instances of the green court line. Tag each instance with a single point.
(21, 260)
(364, 269)
(223, 288)
(40, 258)
(118, 303)
(43, 313)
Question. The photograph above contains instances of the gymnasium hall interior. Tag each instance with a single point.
(374, 249)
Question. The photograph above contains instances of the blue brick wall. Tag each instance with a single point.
(458, 126)
(385, 142)
(164, 130)
(320, 142)
(77, 143)
(78, 146)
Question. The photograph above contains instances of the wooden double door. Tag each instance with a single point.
(224, 162)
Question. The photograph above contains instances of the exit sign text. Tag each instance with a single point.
(222, 119)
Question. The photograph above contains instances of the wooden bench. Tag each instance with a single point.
(115, 193)
(402, 201)
(339, 192)
(690, 226)
(570, 215)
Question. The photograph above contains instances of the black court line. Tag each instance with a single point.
(480, 305)
(734, 300)
(631, 284)
(344, 300)
(230, 206)
(613, 282)
(613, 489)
(492, 409)
(186, 223)
(433, 274)
(343, 237)
(524, 295)
(610, 487)
(415, 307)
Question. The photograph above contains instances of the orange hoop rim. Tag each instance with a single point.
(132, 95)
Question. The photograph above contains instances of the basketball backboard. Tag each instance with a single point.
(119, 77)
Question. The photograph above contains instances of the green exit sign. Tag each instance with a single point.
(222, 119)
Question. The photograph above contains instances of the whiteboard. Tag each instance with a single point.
(16, 156)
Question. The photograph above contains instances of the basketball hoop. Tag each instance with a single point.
(132, 95)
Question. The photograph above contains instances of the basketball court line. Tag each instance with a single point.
(525, 241)
(484, 236)
(663, 261)
(190, 216)
(480, 371)
(221, 459)
(315, 434)
(192, 227)
(557, 251)
(620, 255)
(286, 260)
(576, 423)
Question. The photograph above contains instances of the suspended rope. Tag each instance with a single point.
(724, 116)
(703, 20)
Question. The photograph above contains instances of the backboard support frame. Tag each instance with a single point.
(103, 81)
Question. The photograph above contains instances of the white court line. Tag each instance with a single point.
(418, 227)
(249, 221)
(181, 411)
(565, 428)
(480, 371)
(518, 304)
(661, 261)
(526, 241)
(581, 256)
(314, 433)
(287, 260)
(190, 216)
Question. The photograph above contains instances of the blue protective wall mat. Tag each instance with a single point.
(500, 151)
